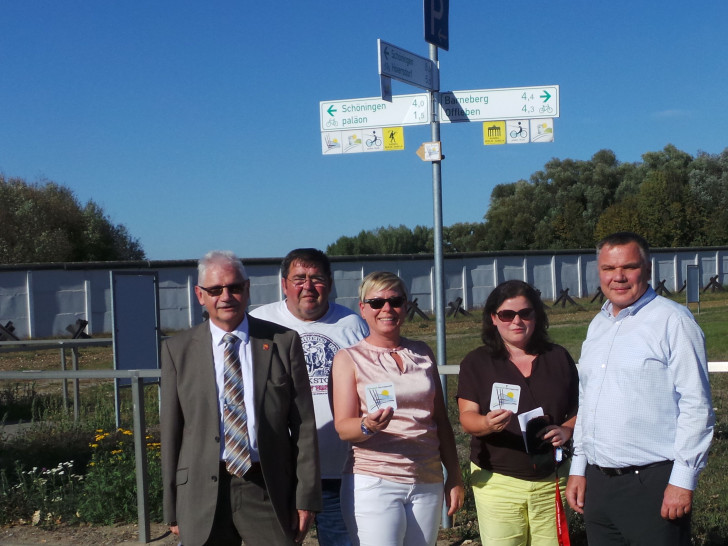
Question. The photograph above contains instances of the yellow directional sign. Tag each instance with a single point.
(494, 132)
(393, 138)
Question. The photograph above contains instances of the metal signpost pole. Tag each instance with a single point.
(439, 288)
(437, 34)
(438, 292)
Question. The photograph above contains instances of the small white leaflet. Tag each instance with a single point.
(504, 396)
(524, 418)
(380, 395)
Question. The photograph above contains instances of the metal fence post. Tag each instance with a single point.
(64, 383)
(140, 452)
(76, 394)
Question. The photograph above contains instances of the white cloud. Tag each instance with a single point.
(671, 114)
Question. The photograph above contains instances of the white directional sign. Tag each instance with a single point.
(499, 104)
(337, 115)
(407, 67)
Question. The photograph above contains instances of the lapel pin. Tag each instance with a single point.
(266, 346)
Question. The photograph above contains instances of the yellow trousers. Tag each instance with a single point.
(514, 512)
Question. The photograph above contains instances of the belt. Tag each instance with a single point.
(624, 470)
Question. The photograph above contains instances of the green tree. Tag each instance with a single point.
(45, 223)
(663, 207)
(384, 240)
(558, 208)
(669, 159)
(464, 237)
(104, 241)
(708, 186)
(670, 197)
(518, 216)
(673, 199)
(581, 191)
(622, 216)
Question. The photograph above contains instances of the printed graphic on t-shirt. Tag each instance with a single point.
(319, 352)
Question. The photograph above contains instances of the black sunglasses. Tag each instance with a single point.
(236, 288)
(378, 303)
(507, 315)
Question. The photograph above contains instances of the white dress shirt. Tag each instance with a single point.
(644, 394)
(246, 361)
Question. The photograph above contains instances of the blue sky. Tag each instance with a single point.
(196, 124)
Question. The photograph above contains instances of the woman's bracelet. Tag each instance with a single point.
(365, 430)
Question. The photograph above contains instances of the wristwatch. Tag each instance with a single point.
(365, 431)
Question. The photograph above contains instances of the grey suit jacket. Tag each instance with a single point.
(190, 427)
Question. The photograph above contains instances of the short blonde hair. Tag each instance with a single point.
(381, 280)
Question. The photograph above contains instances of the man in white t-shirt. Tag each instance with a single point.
(324, 329)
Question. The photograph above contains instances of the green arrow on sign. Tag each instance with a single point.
(331, 110)
(546, 96)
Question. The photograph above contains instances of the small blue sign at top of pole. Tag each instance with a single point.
(437, 18)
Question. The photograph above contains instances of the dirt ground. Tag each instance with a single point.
(116, 535)
(120, 535)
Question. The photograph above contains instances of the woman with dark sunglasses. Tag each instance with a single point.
(518, 397)
(388, 402)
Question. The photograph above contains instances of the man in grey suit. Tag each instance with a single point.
(275, 499)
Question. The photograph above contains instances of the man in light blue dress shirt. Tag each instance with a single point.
(645, 419)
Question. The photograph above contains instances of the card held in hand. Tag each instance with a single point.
(380, 395)
(504, 396)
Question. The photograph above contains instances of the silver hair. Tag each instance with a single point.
(219, 257)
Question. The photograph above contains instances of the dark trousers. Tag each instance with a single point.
(244, 512)
(625, 510)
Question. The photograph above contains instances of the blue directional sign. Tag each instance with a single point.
(437, 19)
(407, 67)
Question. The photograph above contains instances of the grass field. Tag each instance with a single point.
(48, 445)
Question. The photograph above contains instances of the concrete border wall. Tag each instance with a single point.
(41, 300)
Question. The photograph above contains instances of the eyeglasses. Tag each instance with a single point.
(236, 288)
(378, 303)
(508, 315)
(316, 280)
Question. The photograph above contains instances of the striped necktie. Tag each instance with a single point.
(235, 418)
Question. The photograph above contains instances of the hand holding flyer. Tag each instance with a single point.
(532, 423)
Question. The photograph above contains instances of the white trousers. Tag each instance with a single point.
(378, 512)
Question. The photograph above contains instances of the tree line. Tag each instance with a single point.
(45, 222)
(672, 198)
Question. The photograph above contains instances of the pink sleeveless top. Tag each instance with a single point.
(408, 450)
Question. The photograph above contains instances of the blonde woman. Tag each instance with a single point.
(388, 403)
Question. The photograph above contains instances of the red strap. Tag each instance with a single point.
(562, 527)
